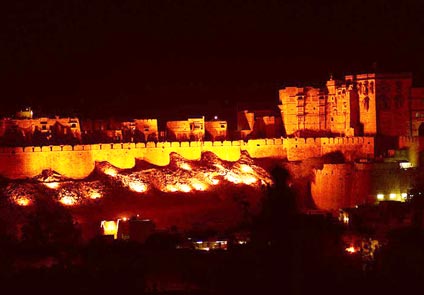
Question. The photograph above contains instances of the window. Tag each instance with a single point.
(365, 88)
(367, 103)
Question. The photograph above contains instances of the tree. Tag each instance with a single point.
(50, 225)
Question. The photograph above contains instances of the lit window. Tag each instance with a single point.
(392, 196)
(380, 197)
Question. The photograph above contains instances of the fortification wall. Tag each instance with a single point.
(340, 186)
(347, 185)
(415, 147)
(351, 147)
(78, 161)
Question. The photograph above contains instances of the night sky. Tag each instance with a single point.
(134, 58)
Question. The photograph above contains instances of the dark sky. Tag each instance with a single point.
(94, 58)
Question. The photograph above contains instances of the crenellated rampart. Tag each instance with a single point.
(351, 147)
(78, 161)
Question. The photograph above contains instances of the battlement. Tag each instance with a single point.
(78, 161)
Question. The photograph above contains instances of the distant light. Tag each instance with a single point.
(346, 219)
(392, 196)
(23, 201)
(404, 195)
(350, 250)
(109, 228)
(215, 117)
(380, 197)
(405, 165)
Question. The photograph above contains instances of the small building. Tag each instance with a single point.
(187, 130)
(216, 130)
(140, 130)
(133, 229)
(26, 130)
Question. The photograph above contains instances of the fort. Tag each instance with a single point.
(78, 161)
(373, 121)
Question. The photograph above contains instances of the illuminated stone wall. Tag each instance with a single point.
(347, 185)
(300, 108)
(318, 110)
(417, 111)
(393, 104)
(78, 161)
(351, 147)
(415, 147)
(363, 104)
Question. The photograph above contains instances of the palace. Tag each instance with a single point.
(365, 104)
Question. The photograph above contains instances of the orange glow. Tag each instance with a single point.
(197, 185)
(109, 228)
(188, 177)
(248, 179)
(231, 177)
(351, 250)
(68, 200)
(52, 185)
(23, 201)
(110, 171)
(246, 169)
(95, 195)
(185, 166)
(184, 188)
(171, 188)
(137, 186)
(215, 181)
